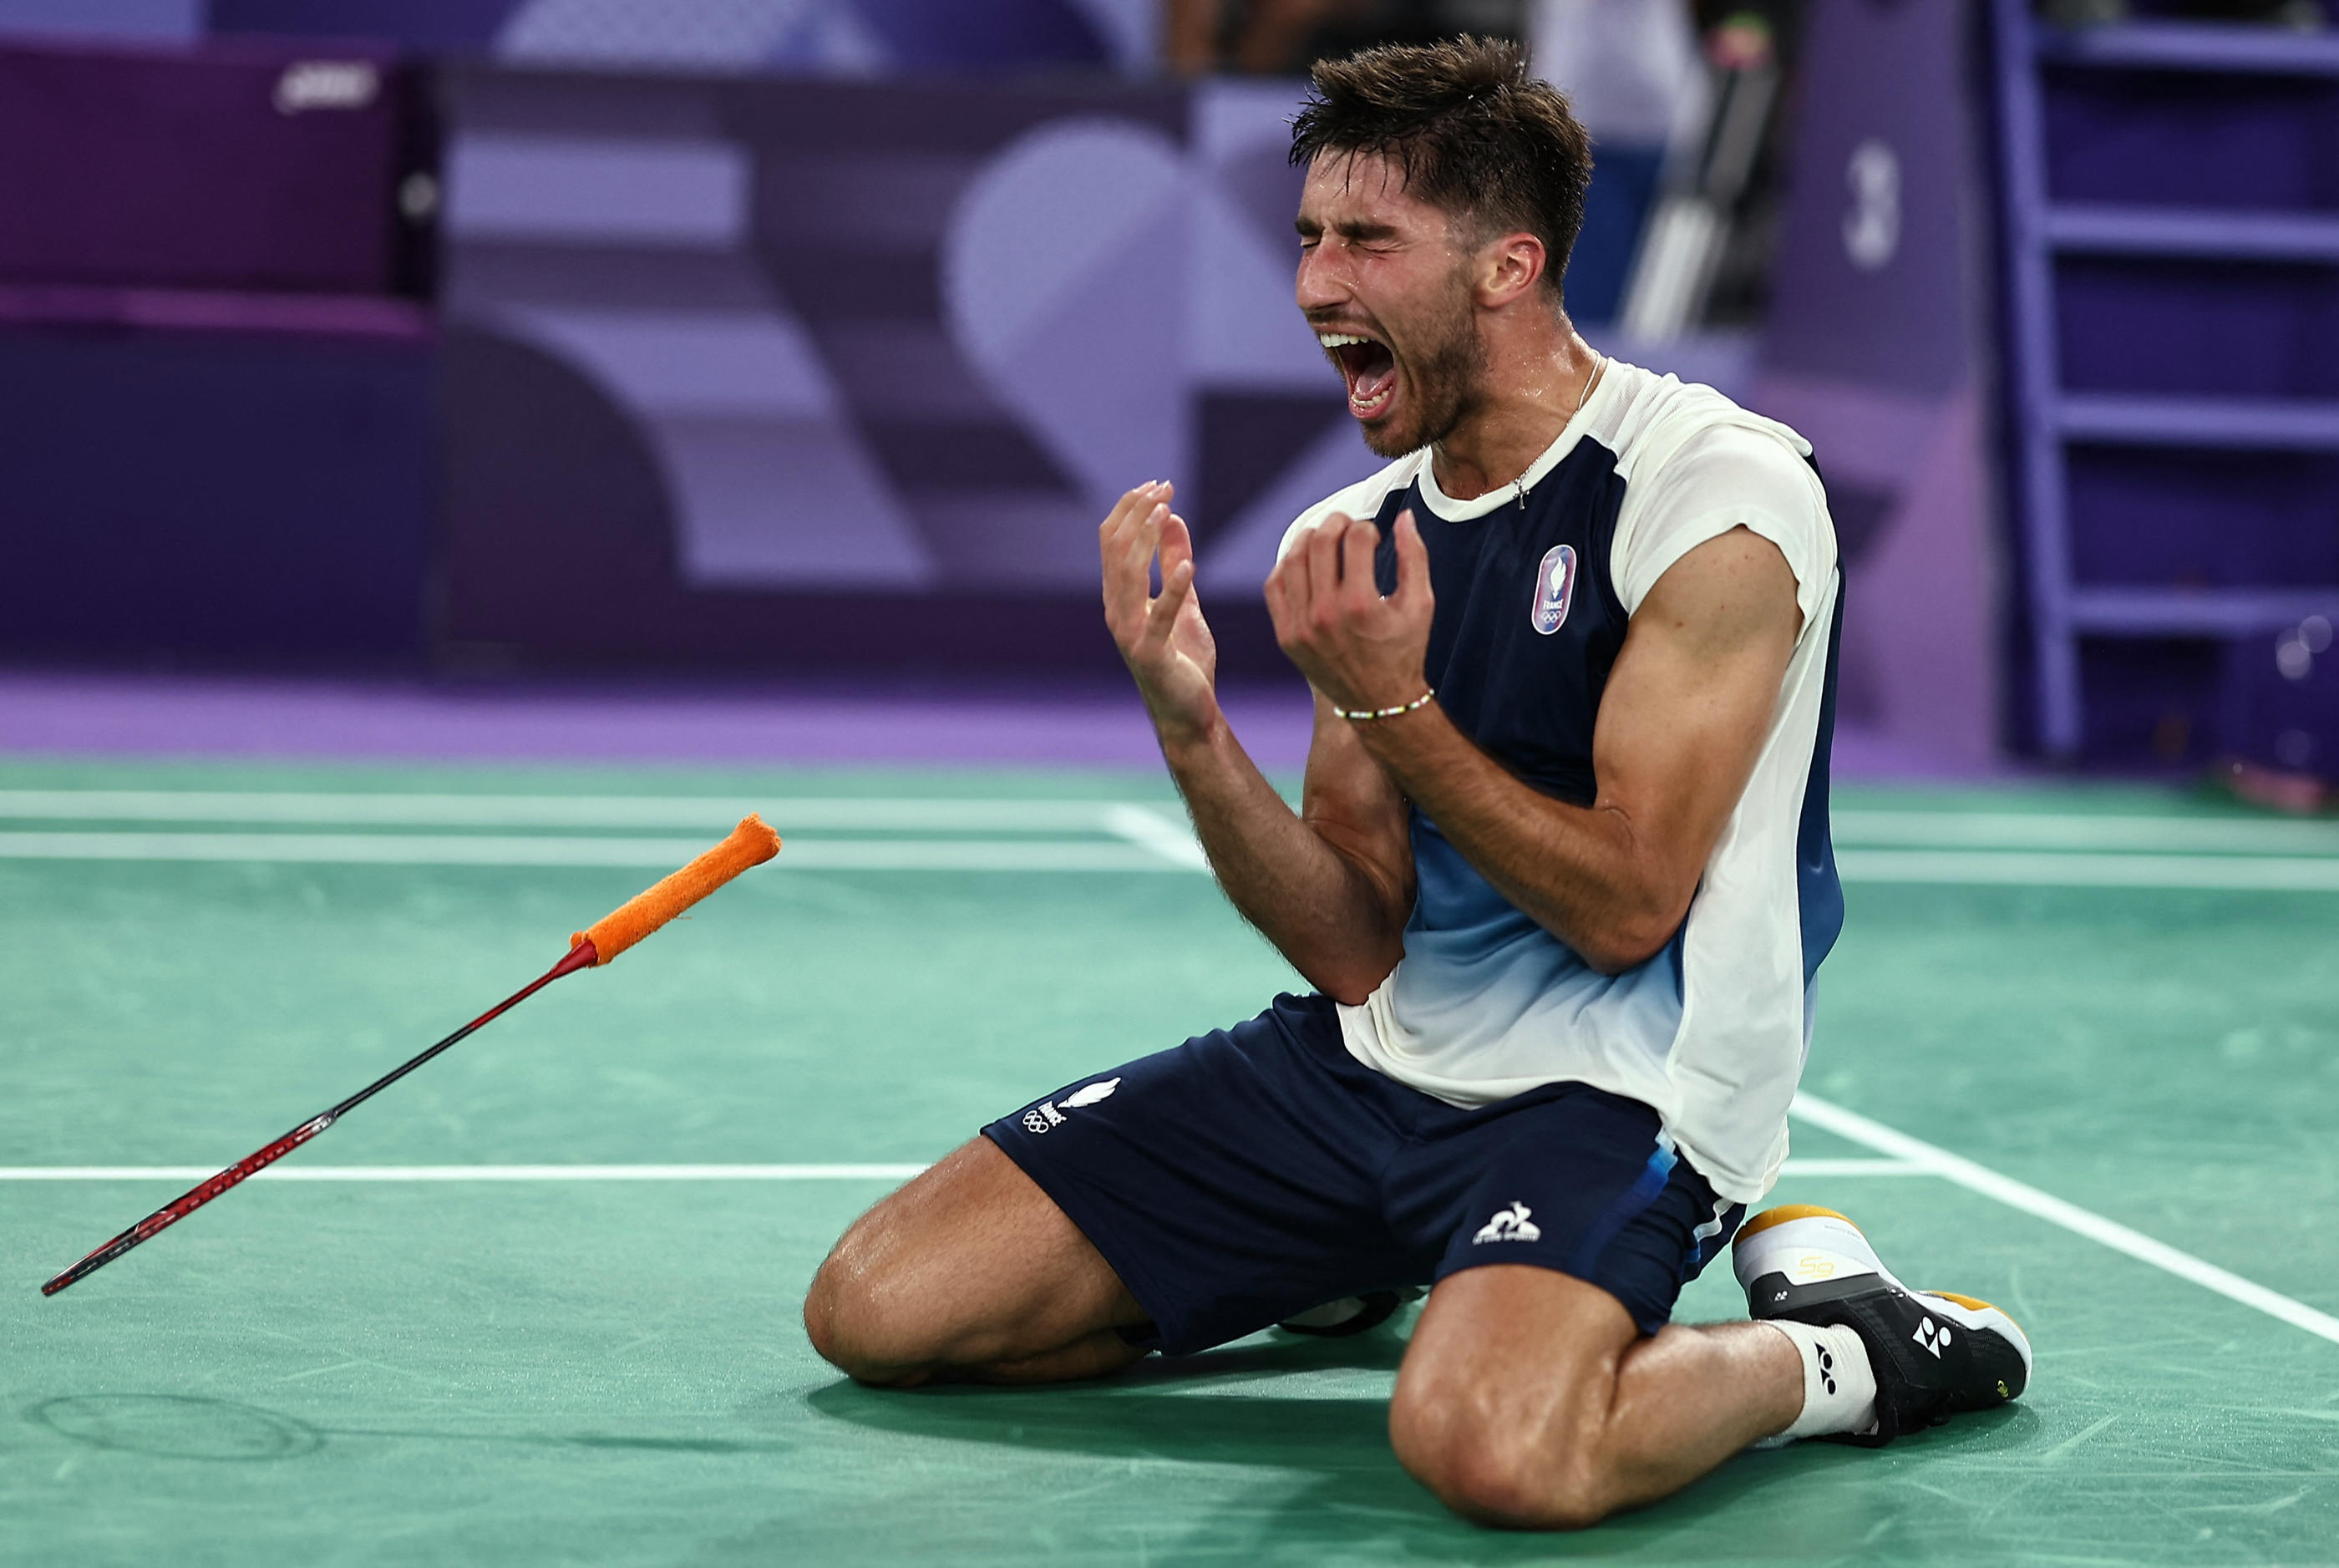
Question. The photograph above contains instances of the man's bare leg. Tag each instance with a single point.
(970, 1271)
(1529, 1399)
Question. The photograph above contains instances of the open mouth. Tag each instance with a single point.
(1369, 368)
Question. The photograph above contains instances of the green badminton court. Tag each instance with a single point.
(2078, 1053)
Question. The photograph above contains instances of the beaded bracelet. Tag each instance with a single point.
(1356, 716)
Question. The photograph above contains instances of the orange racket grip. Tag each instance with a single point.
(751, 843)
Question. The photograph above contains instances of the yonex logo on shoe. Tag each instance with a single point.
(1509, 1225)
(1931, 1337)
(1827, 1369)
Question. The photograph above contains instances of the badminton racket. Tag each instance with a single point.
(751, 843)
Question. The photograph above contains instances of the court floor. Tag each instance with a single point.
(2079, 1053)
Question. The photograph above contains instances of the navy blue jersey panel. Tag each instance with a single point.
(1527, 624)
(1819, 891)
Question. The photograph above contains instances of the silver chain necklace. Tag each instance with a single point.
(1599, 369)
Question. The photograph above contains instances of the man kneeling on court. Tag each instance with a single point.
(1561, 878)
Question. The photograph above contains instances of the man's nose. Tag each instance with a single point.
(1318, 286)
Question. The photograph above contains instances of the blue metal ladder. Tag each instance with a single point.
(2050, 419)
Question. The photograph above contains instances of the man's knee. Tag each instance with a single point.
(1508, 1474)
(857, 1326)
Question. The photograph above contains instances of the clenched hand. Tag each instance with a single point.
(1360, 650)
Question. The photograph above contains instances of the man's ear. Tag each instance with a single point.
(1510, 267)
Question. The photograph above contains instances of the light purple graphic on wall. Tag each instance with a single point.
(1064, 275)
(874, 339)
(835, 37)
(719, 377)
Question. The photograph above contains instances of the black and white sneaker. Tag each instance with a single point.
(1935, 1355)
(1350, 1313)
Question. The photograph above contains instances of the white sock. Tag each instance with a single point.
(1839, 1385)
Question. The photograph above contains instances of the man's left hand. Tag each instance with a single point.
(1362, 651)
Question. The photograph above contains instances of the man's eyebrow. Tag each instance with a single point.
(1347, 228)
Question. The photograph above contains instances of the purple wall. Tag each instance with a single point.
(1874, 351)
(727, 370)
(215, 353)
(248, 167)
(777, 372)
(856, 38)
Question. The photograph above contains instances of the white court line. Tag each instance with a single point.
(2041, 830)
(1875, 1135)
(2237, 873)
(297, 1172)
(1165, 835)
(696, 813)
(1152, 843)
(1836, 1167)
(550, 849)
(1905, 1155)
(1965, 830)
(1988, 849)
(471, 1172)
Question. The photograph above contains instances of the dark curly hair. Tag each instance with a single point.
(1471, 131)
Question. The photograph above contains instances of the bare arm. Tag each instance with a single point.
(1680, 725)
(1330, 886)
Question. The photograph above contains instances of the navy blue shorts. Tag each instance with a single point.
(1255, 1172)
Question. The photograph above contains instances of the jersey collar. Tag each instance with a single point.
(1452, 511)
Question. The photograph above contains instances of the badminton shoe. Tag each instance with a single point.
(1350, 1313)
(1935, 1355)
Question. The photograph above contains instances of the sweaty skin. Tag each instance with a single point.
(1679, 728)
(1686, 706)
(1527, 1398)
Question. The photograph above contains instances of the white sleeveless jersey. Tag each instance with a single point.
(1534, 586)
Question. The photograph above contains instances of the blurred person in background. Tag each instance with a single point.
(1682, 99)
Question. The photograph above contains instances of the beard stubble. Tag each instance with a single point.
(1446, 378)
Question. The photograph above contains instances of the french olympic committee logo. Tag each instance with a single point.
(1555, 589)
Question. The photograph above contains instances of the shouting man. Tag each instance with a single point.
(1561, 879)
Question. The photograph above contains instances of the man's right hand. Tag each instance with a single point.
(1163, 640)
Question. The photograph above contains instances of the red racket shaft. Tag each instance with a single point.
(581, 956)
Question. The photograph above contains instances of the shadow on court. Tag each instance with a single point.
(1351, 1492)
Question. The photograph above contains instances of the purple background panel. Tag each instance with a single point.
(1869, 352)
(211, 495)
(1058, 723)
(439, 26)
(1891, 76)
(1097, 724)
(893, 36)
(183, 170)
(902, 349)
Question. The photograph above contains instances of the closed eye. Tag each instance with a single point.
(1311, 233)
